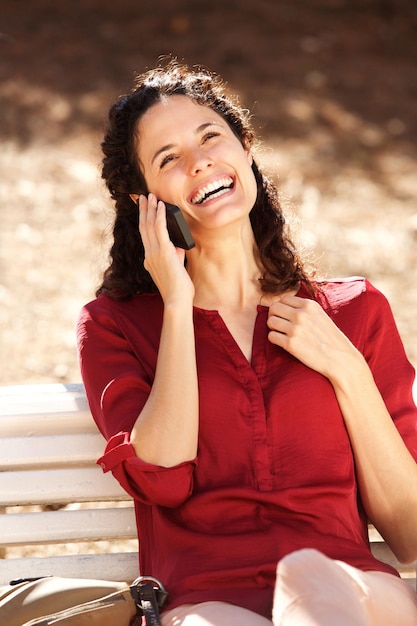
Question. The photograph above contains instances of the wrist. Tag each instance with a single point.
(178, 304)
(350, 371)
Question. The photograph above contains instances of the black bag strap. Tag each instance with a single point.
(149, 595)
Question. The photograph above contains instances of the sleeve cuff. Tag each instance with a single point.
(148, 483)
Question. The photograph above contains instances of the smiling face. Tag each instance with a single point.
(190, 157)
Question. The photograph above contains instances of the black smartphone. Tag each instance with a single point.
(178, 230)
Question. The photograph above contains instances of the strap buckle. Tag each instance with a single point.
(149, 595)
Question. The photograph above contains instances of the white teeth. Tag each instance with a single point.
(219, 185)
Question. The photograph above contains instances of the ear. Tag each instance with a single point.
(248, 151)
(134, 197)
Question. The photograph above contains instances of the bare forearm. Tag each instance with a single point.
(166, 431)
(387, 473)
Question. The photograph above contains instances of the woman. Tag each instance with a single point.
(252, 412)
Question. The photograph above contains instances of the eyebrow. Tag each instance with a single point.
(169, 146)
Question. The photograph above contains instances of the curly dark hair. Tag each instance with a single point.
(126, 276)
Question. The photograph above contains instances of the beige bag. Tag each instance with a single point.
(78, 602)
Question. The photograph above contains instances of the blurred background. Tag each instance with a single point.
(332, 85)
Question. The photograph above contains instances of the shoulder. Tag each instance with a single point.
(353, 303)
(337, 293)
(142, 302)
(357, 307)
(106, 311)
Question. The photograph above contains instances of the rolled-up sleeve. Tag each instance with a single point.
(118, 353)
(148, 483)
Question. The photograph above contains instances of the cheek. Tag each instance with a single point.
(151, 182)
(164, 189)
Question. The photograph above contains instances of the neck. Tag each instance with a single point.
(226, 274)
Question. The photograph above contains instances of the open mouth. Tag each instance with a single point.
(213, 190)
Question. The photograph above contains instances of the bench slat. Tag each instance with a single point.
(67, 526)
(50, 451)
(114, 566)
(37, 398)
(47, 424)
(27, 410)
(59, 486)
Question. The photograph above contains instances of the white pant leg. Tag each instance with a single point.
(212, 614)
(313, 590)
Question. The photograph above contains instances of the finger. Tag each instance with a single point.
(150, 213)
(148, 219)
(279, 324)
(286, 303)
(156, 220)
(292, 300)
(142, 202)
(143, 209)
(142, 205)
(279, 309)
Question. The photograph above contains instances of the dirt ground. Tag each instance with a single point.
(333, 88)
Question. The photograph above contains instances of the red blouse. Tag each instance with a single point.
(274, 471)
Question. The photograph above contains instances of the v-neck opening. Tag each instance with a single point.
(219, 325)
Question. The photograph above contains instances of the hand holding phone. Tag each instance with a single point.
(178, 230)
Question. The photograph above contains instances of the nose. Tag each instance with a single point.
(198, 160)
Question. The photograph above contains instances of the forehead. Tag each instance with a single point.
(172, 114)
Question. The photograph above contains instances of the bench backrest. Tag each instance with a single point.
(48, 448)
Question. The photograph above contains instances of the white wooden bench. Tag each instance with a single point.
(48, 448)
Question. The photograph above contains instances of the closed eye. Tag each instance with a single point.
(167, 159)
(210, 135)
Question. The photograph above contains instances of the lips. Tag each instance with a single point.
(214, 189)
